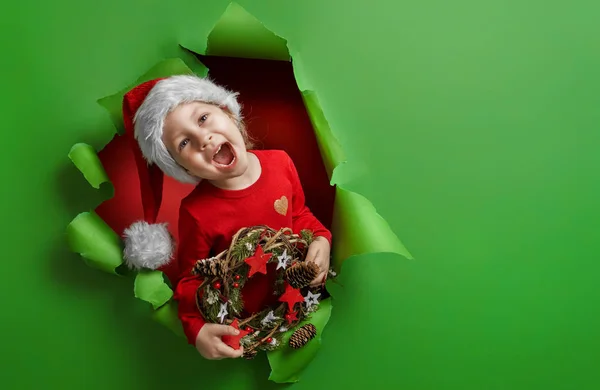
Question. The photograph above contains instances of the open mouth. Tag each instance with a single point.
(224, 157)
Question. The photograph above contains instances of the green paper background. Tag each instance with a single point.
(473, 126)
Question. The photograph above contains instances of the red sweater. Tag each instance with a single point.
(209, 217)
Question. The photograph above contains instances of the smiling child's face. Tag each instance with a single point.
(205, 141)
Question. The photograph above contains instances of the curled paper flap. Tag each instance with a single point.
(239, 34)
(360, 229)
(287, 363)
(150, 286)
(331, 150)
(167, 316)
(96, 242)
(84, 157)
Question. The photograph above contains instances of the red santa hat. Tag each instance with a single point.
(149, 244)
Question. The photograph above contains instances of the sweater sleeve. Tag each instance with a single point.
(192, 246)
(302, 217)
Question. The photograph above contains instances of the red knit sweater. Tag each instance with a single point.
(209, 217)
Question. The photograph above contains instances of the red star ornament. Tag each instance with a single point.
(234, 341)
(291, 317)
(291, 296)
(258, 262)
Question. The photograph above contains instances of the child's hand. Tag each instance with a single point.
(318, 251)
(210, 345)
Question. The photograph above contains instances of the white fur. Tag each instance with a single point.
(166, 95)
(147, 245)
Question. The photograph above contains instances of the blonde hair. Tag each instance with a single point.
(241, 125)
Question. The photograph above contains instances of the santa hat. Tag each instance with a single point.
(149, 244)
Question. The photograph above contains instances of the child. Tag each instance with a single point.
(191, 129)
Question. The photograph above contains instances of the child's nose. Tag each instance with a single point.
(205, 141)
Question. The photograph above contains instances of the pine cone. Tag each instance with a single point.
(301, 274)
(250, 354)
(209, 267)
(302, 336)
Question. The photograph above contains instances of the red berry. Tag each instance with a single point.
(248, 329)
(270, 340)
(237, 277)
(236, 285)
(217, 285)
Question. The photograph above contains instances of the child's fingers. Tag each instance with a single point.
(228, 352)
(314, 256)
(319, 279)
(323, 263)
(312, 253)
(224, 330)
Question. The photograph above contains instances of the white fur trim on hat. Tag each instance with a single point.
(147, 245)
(166, 95)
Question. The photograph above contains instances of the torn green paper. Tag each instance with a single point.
(150, 286)
(167, 316)
(114, 103)
(95, 241)
(331, 151)
(239, 34)
(359, 229)
(86, 160)
(287, 363)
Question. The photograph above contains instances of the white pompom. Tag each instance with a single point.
(147, 245)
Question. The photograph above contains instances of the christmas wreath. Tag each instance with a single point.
(219, 297)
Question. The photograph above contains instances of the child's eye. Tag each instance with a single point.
(203, 118)
(183, 143)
